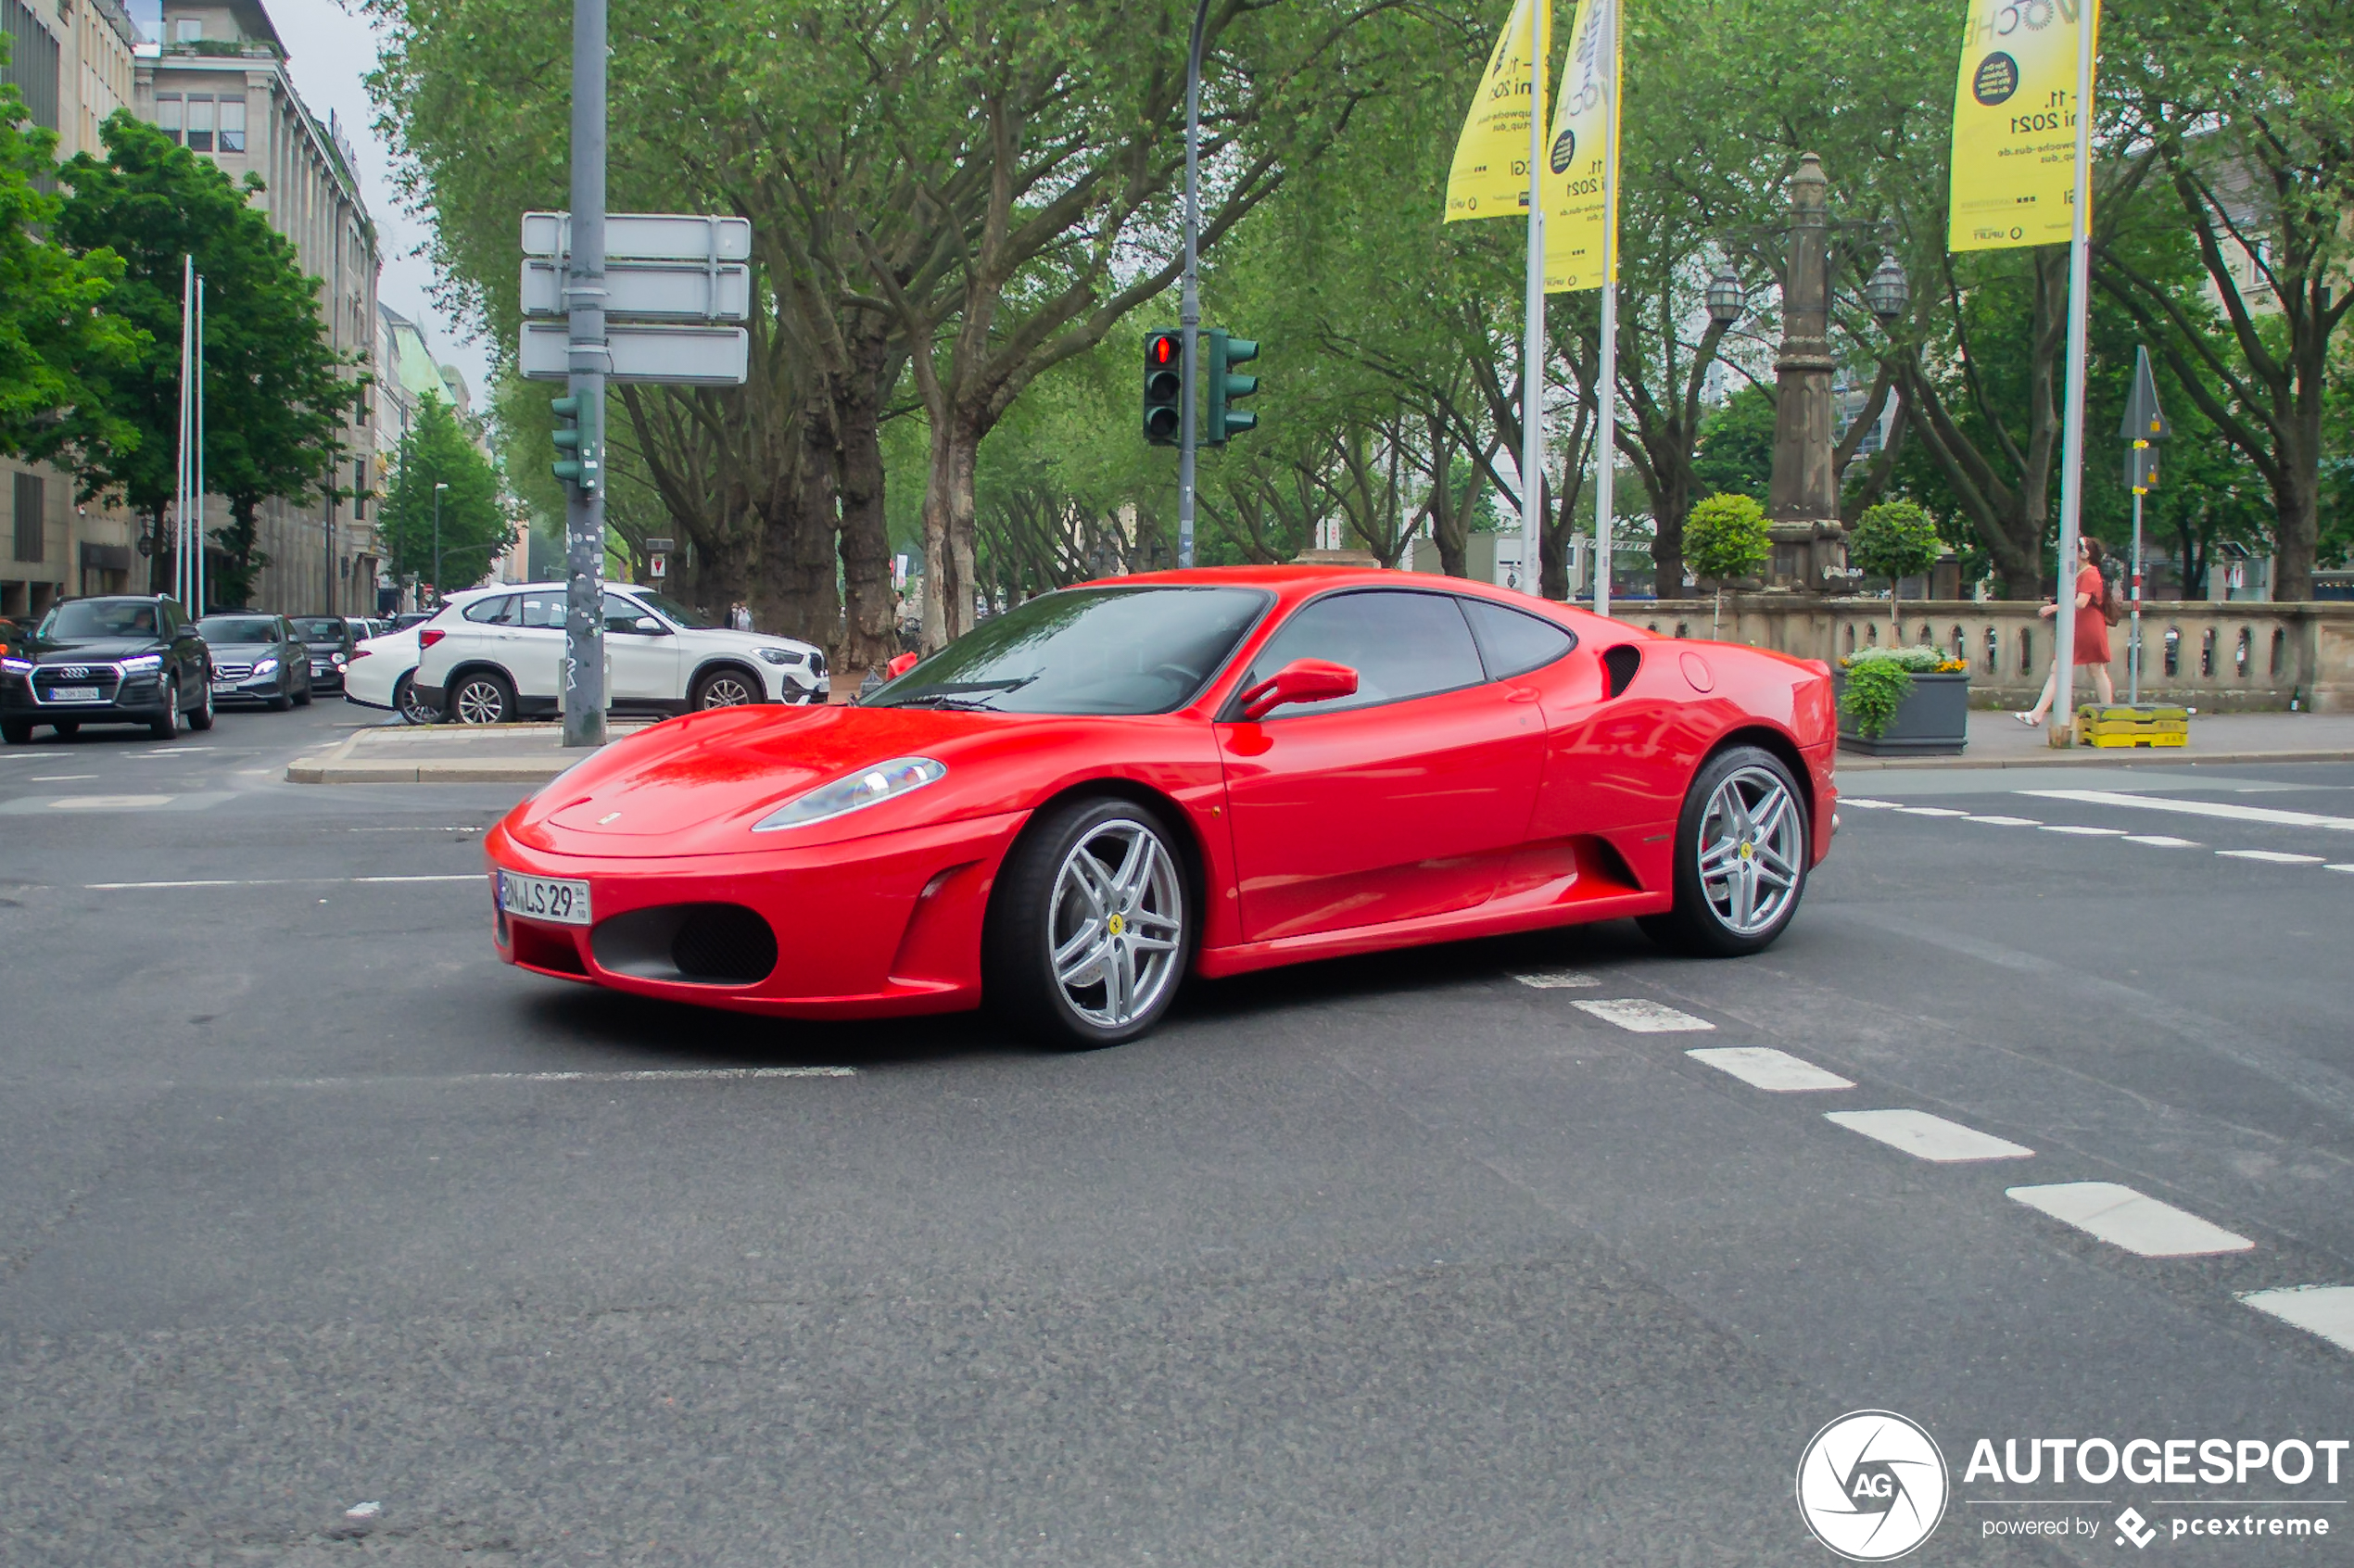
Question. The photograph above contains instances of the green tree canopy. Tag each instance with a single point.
(474, 524)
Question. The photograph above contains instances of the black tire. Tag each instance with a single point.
(1034, 904)
(1763, 863)
(302, 698)
(412, 708)
(482, 698)
(168, 726)
(726, 687)
(16, 732)
(200, 716)
(282, 701)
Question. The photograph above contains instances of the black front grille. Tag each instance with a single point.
(725, 943)
(104, 678)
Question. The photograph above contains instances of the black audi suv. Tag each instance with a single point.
(116, 660)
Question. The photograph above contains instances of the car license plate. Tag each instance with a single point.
(224, 686)
(73, 694)
(544, 898)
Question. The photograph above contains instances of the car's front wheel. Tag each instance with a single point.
(726, 688)
(1741, 854)
(168, 726)
(1089, 932)
(483, 699)
(200, 716)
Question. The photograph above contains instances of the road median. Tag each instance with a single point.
(517, 753)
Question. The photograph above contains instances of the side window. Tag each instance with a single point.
(491, 611)
(622, 614)
(1513, 641)
(544, 610)
(1401, 644)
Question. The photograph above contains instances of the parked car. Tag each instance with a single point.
(501, 658)
(381, 671)
(329, 641)
(257, 658)
(120, 659)
(408, 618)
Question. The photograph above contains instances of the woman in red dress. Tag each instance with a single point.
(2091, 633)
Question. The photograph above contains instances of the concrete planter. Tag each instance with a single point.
(1933, 721)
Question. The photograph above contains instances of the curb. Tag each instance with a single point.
(2089, 757)
(340, 764)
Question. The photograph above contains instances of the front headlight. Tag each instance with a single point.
(145, 664)
(16, 667)
(783, 656)
(858, 791)
(267, 666)
(335, 659)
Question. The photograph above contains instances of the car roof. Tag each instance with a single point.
(1292, 583)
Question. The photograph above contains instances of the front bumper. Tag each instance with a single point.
(327, 675)
(136, 699)
(261, 689)
(873, 927)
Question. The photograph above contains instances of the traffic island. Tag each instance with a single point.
(1998, 739)
(511, 754)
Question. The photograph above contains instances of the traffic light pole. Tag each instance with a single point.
(1189, 295)
(585, 302)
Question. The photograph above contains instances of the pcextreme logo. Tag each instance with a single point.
(1871, 1485)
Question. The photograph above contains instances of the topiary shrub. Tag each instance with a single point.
(1725, 537)
(1895, 539)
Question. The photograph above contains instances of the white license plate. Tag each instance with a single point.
(544, 898)
(73, 694)
(224, 686)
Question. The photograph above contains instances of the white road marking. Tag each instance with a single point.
(1556, 980)
(2348, 866)
(1762, 1066)
(2083, 832)
(2122, 1216)
(1643, 1016)
(1927, 1137)
(2224, 809)
(2327, 1310)
(1862, 804)
(60, 777)
(275, 881)
(1932, 811)
(108, 802)
(2006, 821)
(2159, 841)
(2272, 857)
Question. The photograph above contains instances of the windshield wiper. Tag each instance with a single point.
(942, 700)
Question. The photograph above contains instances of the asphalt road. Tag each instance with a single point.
(308, 1204)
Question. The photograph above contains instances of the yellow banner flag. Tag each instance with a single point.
(1583, 154)
(2014, 123)
(1489, 178)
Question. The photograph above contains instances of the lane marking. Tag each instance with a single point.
(1556, 980)
(1929, 1137)
(2272, 857)
(1932, 811)
(648, 1075)
(2122, 1216)
(2006, 821)
(60, 777)
(2344, 866)
(2083, 832)
(1762, 1066)
(2224, 809)
(1643, 1016)
(2326, 1310)
(108, 802)
(1862, 804)
(275, 881)
(2161, 840)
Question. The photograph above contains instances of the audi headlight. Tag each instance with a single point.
(853, 792)
(16, 667)
(783, 656)
(145, 664)
(267, 666)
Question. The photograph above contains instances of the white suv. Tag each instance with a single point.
(501, 658)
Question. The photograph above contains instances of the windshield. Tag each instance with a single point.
(100, 617)
(319, 628)
(238, 628)
(676, 610)
(1085, 650)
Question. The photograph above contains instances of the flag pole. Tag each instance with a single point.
(1607, 374)
(181, 478)
(2080, 275)
(195, 554)
(1532, 341)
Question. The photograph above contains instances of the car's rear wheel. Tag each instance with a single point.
(168, 726)
(483, 698)
(1741, 854)
(409, 705)
(726, 688)
(1089, 933)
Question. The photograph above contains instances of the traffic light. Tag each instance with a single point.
(1225, 389)
(579, 458)
(1164, 387)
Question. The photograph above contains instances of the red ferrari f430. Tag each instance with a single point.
(1105, 790)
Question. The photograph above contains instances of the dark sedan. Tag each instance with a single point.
(330, 639)
(119, 659)
(257, 659)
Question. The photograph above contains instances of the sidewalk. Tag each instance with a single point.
(1996, 740)
(443, 753)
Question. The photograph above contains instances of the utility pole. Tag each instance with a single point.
(1189, 293)
(588, 361)
(437, 544)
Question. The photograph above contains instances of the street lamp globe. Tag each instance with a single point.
(1724, 298)
(1888, 291)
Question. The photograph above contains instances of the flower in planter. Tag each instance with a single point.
(1879, 679)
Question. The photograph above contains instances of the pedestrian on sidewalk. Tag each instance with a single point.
(2091, 638)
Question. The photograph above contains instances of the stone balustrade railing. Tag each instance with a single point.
(2214, 657)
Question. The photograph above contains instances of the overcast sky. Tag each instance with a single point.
(332, 52)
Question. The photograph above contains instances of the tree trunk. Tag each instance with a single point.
(797, 594)
(948, 534)
(870, 628)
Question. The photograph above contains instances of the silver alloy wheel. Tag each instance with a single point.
(726, 690)
(1751, 843)
(413, 708)
(170, 706)
(1116, 923)
(479, 702)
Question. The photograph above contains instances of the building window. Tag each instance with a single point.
(233, 125)
(30, 507)
(199, 124)
(168, 115)
(188, 30)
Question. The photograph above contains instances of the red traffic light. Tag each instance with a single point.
(1164, 349)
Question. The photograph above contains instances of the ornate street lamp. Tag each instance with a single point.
(1725, 298)
(1888, 291)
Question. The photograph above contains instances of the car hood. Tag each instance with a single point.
(695, 785)
(243, 652)
(96, 651)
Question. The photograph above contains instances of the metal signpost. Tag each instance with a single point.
(2144, 425)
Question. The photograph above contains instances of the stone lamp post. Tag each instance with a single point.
(1802, 506)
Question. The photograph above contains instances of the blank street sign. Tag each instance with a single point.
(646, 237)
(678, 355)
(651, 291)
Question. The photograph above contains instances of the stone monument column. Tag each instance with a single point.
(1803, 497)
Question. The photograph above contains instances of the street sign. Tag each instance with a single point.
(660, 544)
(657, 566)
(651, 291)
(646, 237)
(2145, 421)
(680, 355)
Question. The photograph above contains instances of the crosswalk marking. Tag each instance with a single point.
(2159, 841)
(1932, 811)
(2122, 1216)
(2227, 810)
(1927, 1137)
(1555, 980)
(2272, 857)
(1762, 1066)
(2347, 866)
(2326, 1310)
(1642, 1016)
(2007, 821)
(1860, 804)
(2082, 831)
